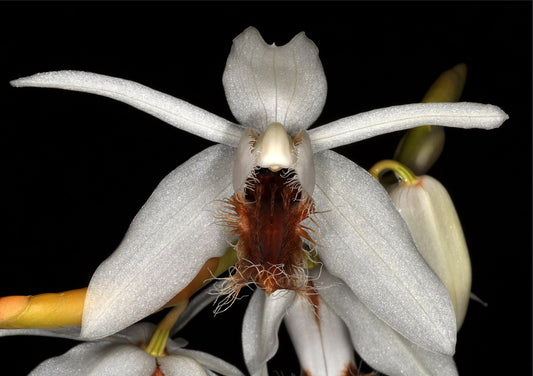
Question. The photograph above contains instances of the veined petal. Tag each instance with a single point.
(319, 337)
(166, 245)
(260, 328)
(390, 119)
(365, 242)
(99, 359)
(171, 110)
(265, 84)
(380, 346)
(430, 214)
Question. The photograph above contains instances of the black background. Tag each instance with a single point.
(75, 168)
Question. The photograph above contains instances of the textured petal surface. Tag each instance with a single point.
(260, 328)
(319, 337)
(383, 348)
(428, 209)
(171, 110)
(99, 359)
(365, 242)
(176, 365)
(266, 84)
(166, 245)
(395, 118)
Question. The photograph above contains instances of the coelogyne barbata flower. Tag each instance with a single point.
(282, 189)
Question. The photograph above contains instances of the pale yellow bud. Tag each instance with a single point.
(428, 209)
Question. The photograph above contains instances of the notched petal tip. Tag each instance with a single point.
(265, 83)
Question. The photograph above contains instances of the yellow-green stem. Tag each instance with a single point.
(158, 343)
(391, 165)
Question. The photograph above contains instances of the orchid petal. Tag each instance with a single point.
(380, 346)
(319, 337)
(98, 359)
(369, 246)
(211, 362)
(385, 120)
(166, 245)
(133, 334)
(265, 84)
(171, 110)
(67, 332)
(260, 327)
(245, 160)
(180, 366)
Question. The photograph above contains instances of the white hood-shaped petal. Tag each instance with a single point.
(166, 245)
(260, 328)
(319, 337)
(265, 84)
(171, 110)
(365, 242)
(380, 346)
(99, 359)
(428, 209)
(390, 119)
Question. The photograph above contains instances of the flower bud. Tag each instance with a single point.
(428, 209)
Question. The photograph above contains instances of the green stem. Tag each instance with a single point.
(391, 165)
(158, 343)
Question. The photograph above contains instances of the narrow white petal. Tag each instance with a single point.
(428, 209)
(177, 365)
(305, 167)
(171, 110)
(141, 332)
(245, 160)
(319, 337)
(99, 359)
(385, 120)
(212, 362)
(67, 332)
(265, 84)
(380, 346)
(166, 245)
(260, 328)
(365, 242)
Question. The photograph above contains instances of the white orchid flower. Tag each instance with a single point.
(273, 176)
(123, 354)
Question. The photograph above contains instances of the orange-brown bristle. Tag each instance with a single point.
(267, 217)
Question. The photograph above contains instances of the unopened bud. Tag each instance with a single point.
(430, 214)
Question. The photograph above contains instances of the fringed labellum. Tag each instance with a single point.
(273, 178)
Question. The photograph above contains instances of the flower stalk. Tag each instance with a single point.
(387, 165)
(158, 343)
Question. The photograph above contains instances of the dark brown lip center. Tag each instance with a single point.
(270, 245)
